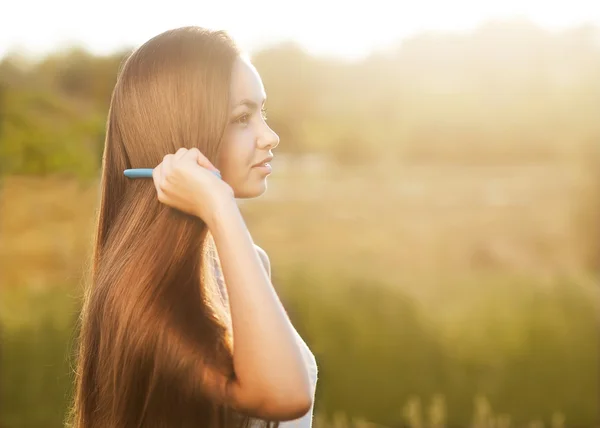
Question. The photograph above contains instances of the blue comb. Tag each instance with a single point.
(147, 173)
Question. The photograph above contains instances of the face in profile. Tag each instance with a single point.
(248, 140)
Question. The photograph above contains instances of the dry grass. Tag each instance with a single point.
(414, 219)
(385, 222)
(45, 226)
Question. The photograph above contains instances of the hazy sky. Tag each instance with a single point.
(321, 26)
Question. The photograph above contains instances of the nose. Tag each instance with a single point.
(269, 139)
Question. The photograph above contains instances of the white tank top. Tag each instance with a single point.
(309, 359)
(311, 363)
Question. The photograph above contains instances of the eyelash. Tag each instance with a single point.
(246, 116)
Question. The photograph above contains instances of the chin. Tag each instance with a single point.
(250, 191)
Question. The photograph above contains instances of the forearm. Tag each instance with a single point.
(267, 357)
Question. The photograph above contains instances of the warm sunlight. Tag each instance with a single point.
(334, 27)
(429, 217)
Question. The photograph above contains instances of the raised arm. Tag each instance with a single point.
(272, 381)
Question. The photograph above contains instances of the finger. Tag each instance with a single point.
(179, 153)
(156, 178)
(166, 166)
(202, 160)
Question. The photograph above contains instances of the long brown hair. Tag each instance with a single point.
(150, 325)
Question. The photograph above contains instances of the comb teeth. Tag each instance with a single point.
(147, 173)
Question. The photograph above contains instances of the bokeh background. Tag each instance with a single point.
(432, 219)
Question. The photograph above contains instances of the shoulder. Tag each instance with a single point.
(264, 258)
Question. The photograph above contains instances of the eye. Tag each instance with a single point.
(243, 119)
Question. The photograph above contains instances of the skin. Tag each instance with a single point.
(248, 139)
(272, 382)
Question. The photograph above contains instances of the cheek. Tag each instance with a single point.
(237, 154)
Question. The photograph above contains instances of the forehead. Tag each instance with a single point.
(245, 82)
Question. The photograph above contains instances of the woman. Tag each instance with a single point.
(181, 326)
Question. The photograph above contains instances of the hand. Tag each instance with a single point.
(184, 181)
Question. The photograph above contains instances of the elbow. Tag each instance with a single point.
(274, 403)
(287, 407)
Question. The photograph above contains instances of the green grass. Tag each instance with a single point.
(510, 358)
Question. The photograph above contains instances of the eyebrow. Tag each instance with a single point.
(249, 103)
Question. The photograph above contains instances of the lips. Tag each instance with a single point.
(263, 162)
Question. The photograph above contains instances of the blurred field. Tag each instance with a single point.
(393, 220)
(461, 281)
(432, 224)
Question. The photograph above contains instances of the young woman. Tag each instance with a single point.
(181, 326)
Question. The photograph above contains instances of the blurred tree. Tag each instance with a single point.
(43, 133)
(504, 94)
(3, 159)
(79, 74)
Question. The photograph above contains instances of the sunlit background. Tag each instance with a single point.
(433, 219)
